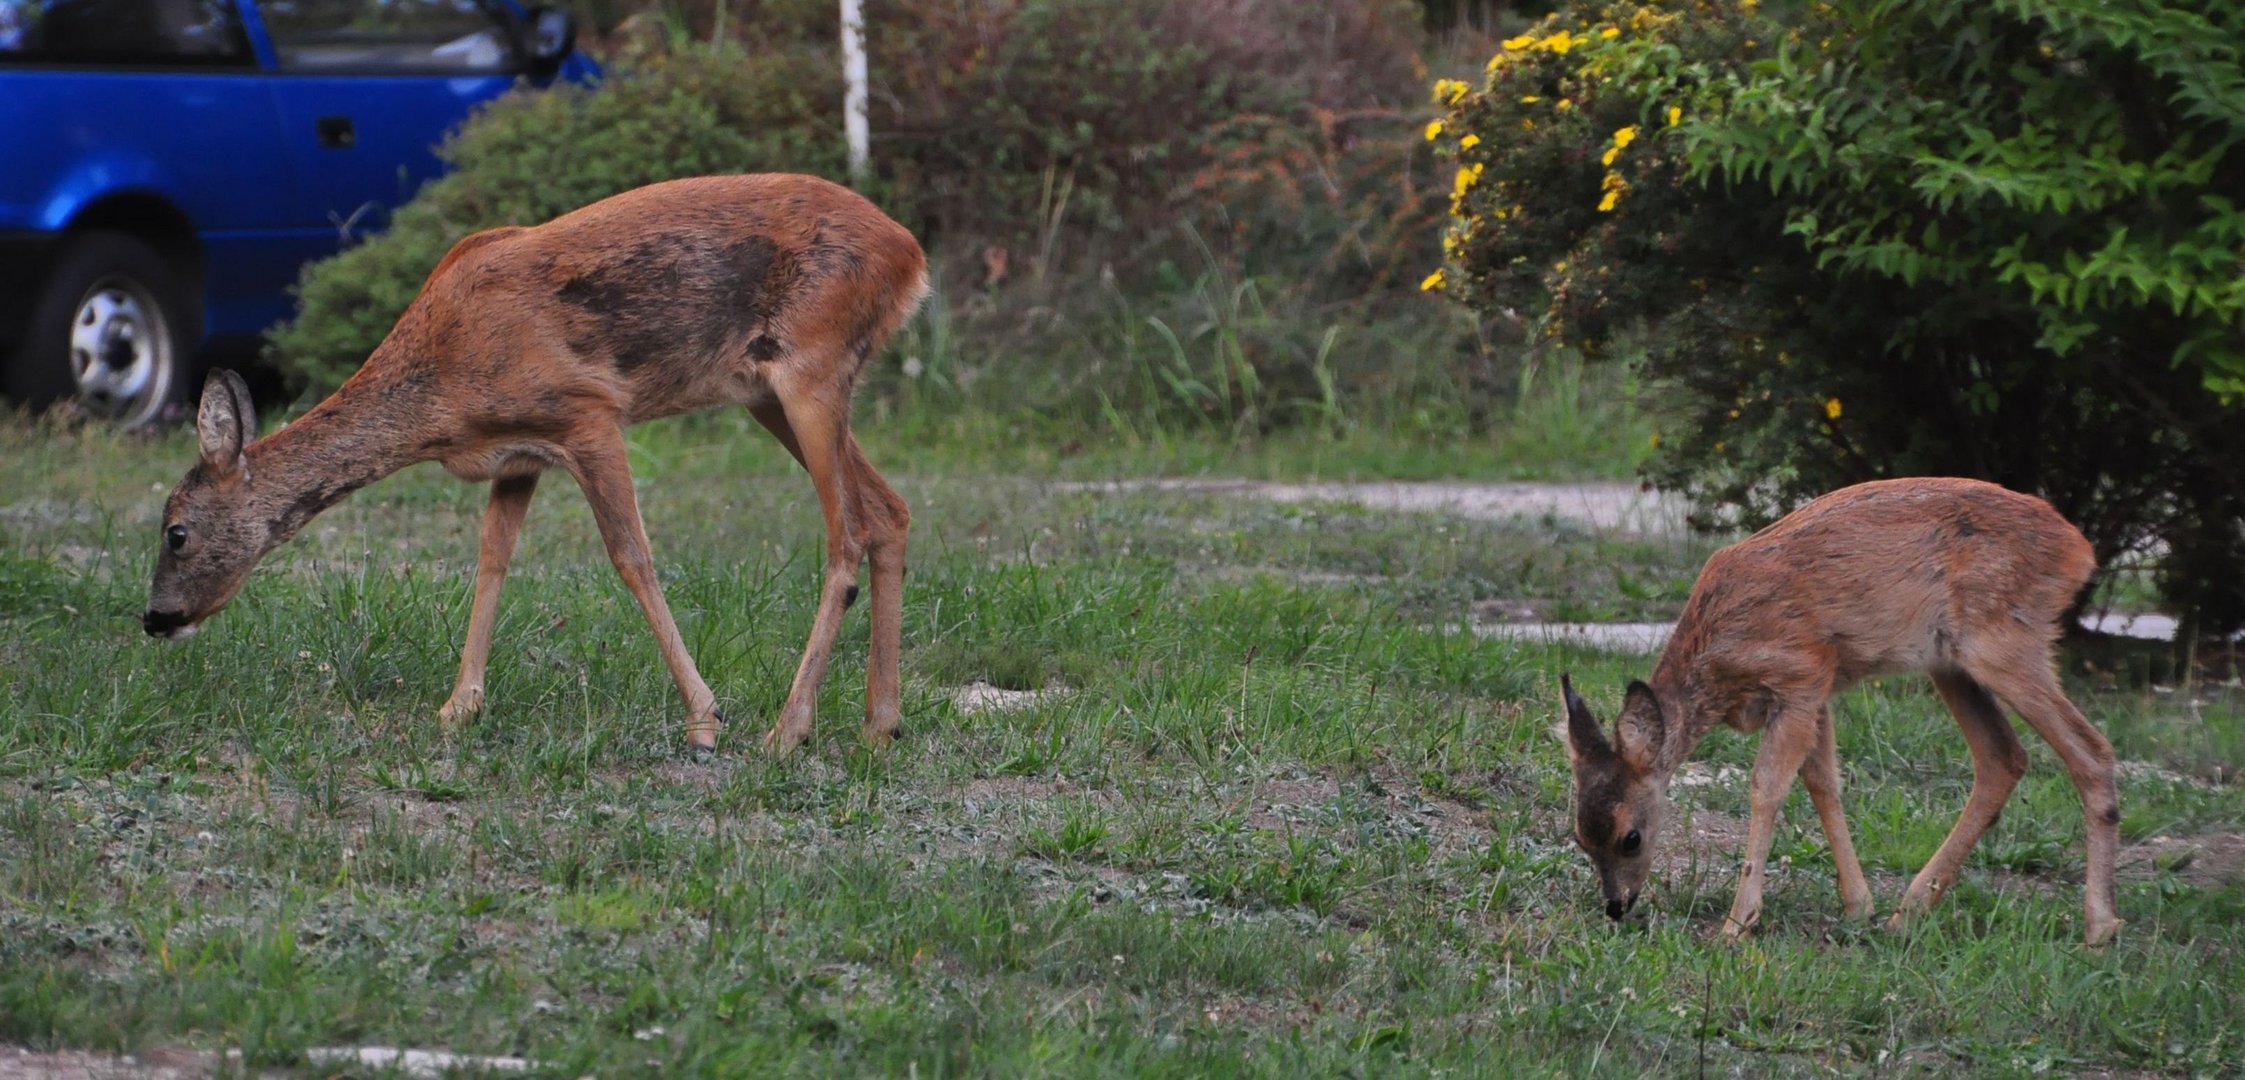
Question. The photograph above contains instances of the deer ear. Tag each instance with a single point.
(226, 422)
(1580, 732)
(1641, 728)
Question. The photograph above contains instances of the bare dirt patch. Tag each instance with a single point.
(17, 1063)
(1623, 507)
(2215, 859)
(980, 697)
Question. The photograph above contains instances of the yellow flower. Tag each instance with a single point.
(1718, 447)
(1448, 91)
(1565, 104)
(1612, 152)
(1560, 42)
(1434, 281)
(1466, 178)
(1527, 124)
(1520, 43)
(1609, 33)
(1469, 142)
(1559, 267)
(1734, 414)
(1625, 136)
(1749, 5)
(1434, 130)
(1675, 115)
(1607, 203)
(1831, 408)
(1656, 440)
(1530, 99)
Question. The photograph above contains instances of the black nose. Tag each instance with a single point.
(158, 623)
(1615, 909)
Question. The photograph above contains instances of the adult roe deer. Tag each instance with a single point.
(534, 348)
(1962, 580)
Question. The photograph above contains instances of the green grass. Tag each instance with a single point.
(1274, 816)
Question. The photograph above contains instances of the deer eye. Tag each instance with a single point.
(1630, 843)
(176, 537)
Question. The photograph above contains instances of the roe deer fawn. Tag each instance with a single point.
(1963, 580)
(534, 348)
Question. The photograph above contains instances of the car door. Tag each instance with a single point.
(367, 88)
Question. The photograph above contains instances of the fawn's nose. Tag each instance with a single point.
(1615, 909)
(160, 623)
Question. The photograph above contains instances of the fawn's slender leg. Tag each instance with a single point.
(598, 461)
(2032, 690)
(1786, 744)
(819, 422)
(1998, 761)
(887, 522)
(1820, 774)
(502, 526)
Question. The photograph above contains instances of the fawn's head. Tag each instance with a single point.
(1620, 798)
(212, 534)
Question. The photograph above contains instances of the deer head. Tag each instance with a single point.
(213, 531)
(1620, 798)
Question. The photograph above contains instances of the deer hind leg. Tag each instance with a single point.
(502, 526)
(816, 422)
(599, 463)
(2032, 690)
(1998, 761)
(1787, 744)
(880, 520)
(1820, 774)
(887, 522)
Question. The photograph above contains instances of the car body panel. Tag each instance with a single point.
(229, 151)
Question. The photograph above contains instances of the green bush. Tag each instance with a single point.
(1891, 237)
(532, 156)
(1144, 216)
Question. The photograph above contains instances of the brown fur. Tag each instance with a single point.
(1962, 580)
(534, 348)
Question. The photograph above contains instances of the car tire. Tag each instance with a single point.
(115, 327)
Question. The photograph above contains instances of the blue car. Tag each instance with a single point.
(166, 166)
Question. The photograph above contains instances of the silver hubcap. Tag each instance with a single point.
(121, 351)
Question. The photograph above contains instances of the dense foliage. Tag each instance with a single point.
(1890, 237)
(1146, 212)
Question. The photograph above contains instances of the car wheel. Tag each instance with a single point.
(114, 328)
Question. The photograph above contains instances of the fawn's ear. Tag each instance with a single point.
(1641, 728)
(226, 422)
(1580, 731)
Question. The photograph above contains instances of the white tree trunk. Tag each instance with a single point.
(853, 97)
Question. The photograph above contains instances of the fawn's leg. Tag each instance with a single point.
(598, 461)
(1786, 743)
(1998, 761)
(2033, 692)
(502, 526)
(1820, 774)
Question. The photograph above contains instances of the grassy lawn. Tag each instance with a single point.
(1272, 813)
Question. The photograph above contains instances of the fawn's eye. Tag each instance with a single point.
(1630, 843)
(176, 537)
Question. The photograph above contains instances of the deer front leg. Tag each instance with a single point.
(602, 470)
(1786, 743)
(1820, 774)
(502, 527)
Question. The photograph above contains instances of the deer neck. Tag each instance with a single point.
(1678, 681)
(363, 432)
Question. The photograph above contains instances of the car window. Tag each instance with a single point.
(438, 36)
(122, 33)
